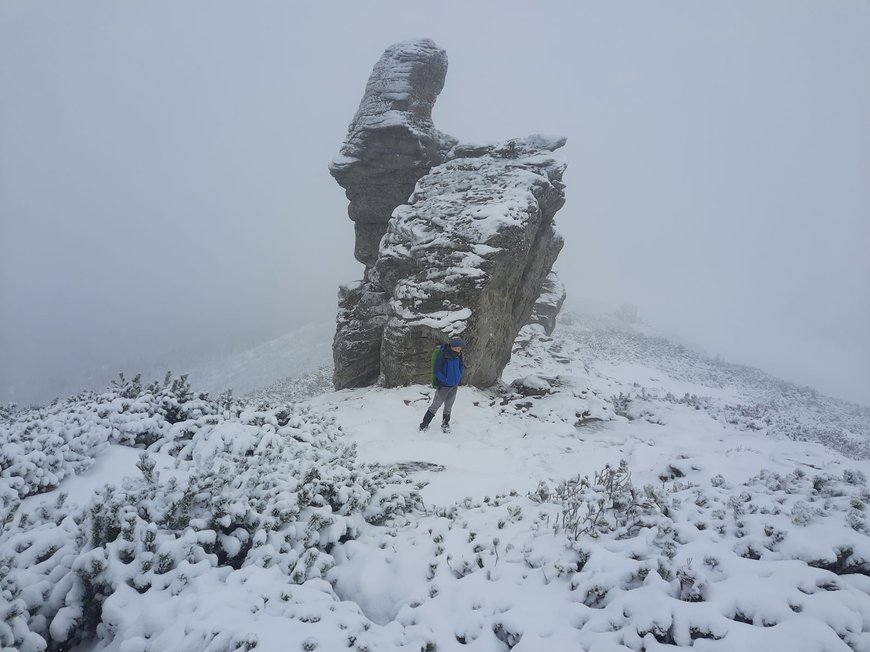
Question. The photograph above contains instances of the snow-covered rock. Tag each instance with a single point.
(466, 255)
(390, 144)
(363, 310)
(550, 303)
(391, 141)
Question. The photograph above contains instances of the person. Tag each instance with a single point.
(448, 369)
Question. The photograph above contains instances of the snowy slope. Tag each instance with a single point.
(294, 355)
(620, 492)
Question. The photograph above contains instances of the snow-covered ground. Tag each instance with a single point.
(619, 492)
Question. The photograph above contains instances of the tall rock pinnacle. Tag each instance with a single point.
(391, 141)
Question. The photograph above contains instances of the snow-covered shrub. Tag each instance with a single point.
(276, 495)
(622, 405)
(282, 503)
(41, 446)
(35, 561)
(605, 503)
(142, 416)
(693, 585)
(801, 514)
(854, 477)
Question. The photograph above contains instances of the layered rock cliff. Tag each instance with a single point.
(457, 240)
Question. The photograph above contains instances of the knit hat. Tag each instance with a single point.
(455, 342)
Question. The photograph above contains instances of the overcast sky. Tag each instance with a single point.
(164, 183)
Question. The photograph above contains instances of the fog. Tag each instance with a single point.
(164, 191)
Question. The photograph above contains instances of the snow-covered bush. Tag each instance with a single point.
(622, 405)
(41, 446)
(140, 416)
(249, 525)
(35, 562)
(505, 573)
(605, 503)
(270, 488)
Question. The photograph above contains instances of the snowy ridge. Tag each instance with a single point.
(754, 400)
(586, 504)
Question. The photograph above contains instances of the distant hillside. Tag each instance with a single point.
(762, 402)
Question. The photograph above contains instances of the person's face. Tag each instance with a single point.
(456, 349)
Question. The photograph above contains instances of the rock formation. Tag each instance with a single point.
(391, 141)
(456, 239)
(468, 255)
(549, 304)
(363, 311)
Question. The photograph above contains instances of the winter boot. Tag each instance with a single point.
(427, 419)
(445, 423)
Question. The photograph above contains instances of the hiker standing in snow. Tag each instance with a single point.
(447, 370)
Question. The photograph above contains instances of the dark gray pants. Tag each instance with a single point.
(445, 396)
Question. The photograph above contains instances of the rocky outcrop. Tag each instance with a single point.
(468, 256)
(456, 239)
(391, 141)
(549, 304)
(363, 311)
